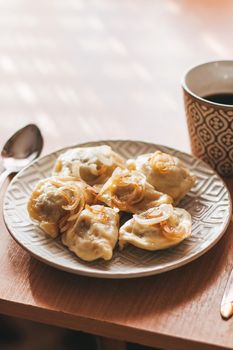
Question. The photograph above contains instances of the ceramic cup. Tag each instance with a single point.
(210, 124)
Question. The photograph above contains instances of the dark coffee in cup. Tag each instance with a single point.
(222, 98)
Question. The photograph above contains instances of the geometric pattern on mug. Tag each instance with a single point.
(211, 134)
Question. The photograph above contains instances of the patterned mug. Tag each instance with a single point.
(210, 124)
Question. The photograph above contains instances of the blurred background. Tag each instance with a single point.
(72, 66)
(112, 62)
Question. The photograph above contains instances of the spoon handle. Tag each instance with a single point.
(3, 177)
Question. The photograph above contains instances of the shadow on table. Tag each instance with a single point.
(19, 334)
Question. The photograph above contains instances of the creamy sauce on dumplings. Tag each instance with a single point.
(165, 172)
(129, 191)
(91, 185)
(170, 227)
(94, 234)
(94, 165)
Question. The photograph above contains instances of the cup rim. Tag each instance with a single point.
(185, 87)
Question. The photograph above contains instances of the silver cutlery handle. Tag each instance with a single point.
(227, 300)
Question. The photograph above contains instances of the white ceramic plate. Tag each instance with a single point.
(208, 202)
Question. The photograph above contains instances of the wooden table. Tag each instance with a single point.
(88, 70)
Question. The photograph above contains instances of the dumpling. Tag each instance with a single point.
(166, 173)
(94, 234)
(157, 228)
(56, 202)
(94, 165)
(129, 191)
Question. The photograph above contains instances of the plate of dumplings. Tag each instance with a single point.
(117, 209)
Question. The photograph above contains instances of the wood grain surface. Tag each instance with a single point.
(88, 70)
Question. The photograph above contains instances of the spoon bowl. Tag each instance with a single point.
(21, 149)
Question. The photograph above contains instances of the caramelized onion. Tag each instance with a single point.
(72, 197)
(162, 162)
(173, 232)
(154, 215)
(131, 180)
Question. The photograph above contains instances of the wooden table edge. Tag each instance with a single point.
(102, 328)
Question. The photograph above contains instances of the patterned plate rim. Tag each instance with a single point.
(88, 271)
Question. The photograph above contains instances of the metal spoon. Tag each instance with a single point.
(20, 150)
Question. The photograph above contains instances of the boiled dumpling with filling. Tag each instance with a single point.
(166, 173)
(157, 228)
(56, 202)
(129, 191)
(94, 234)
(94, 165)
